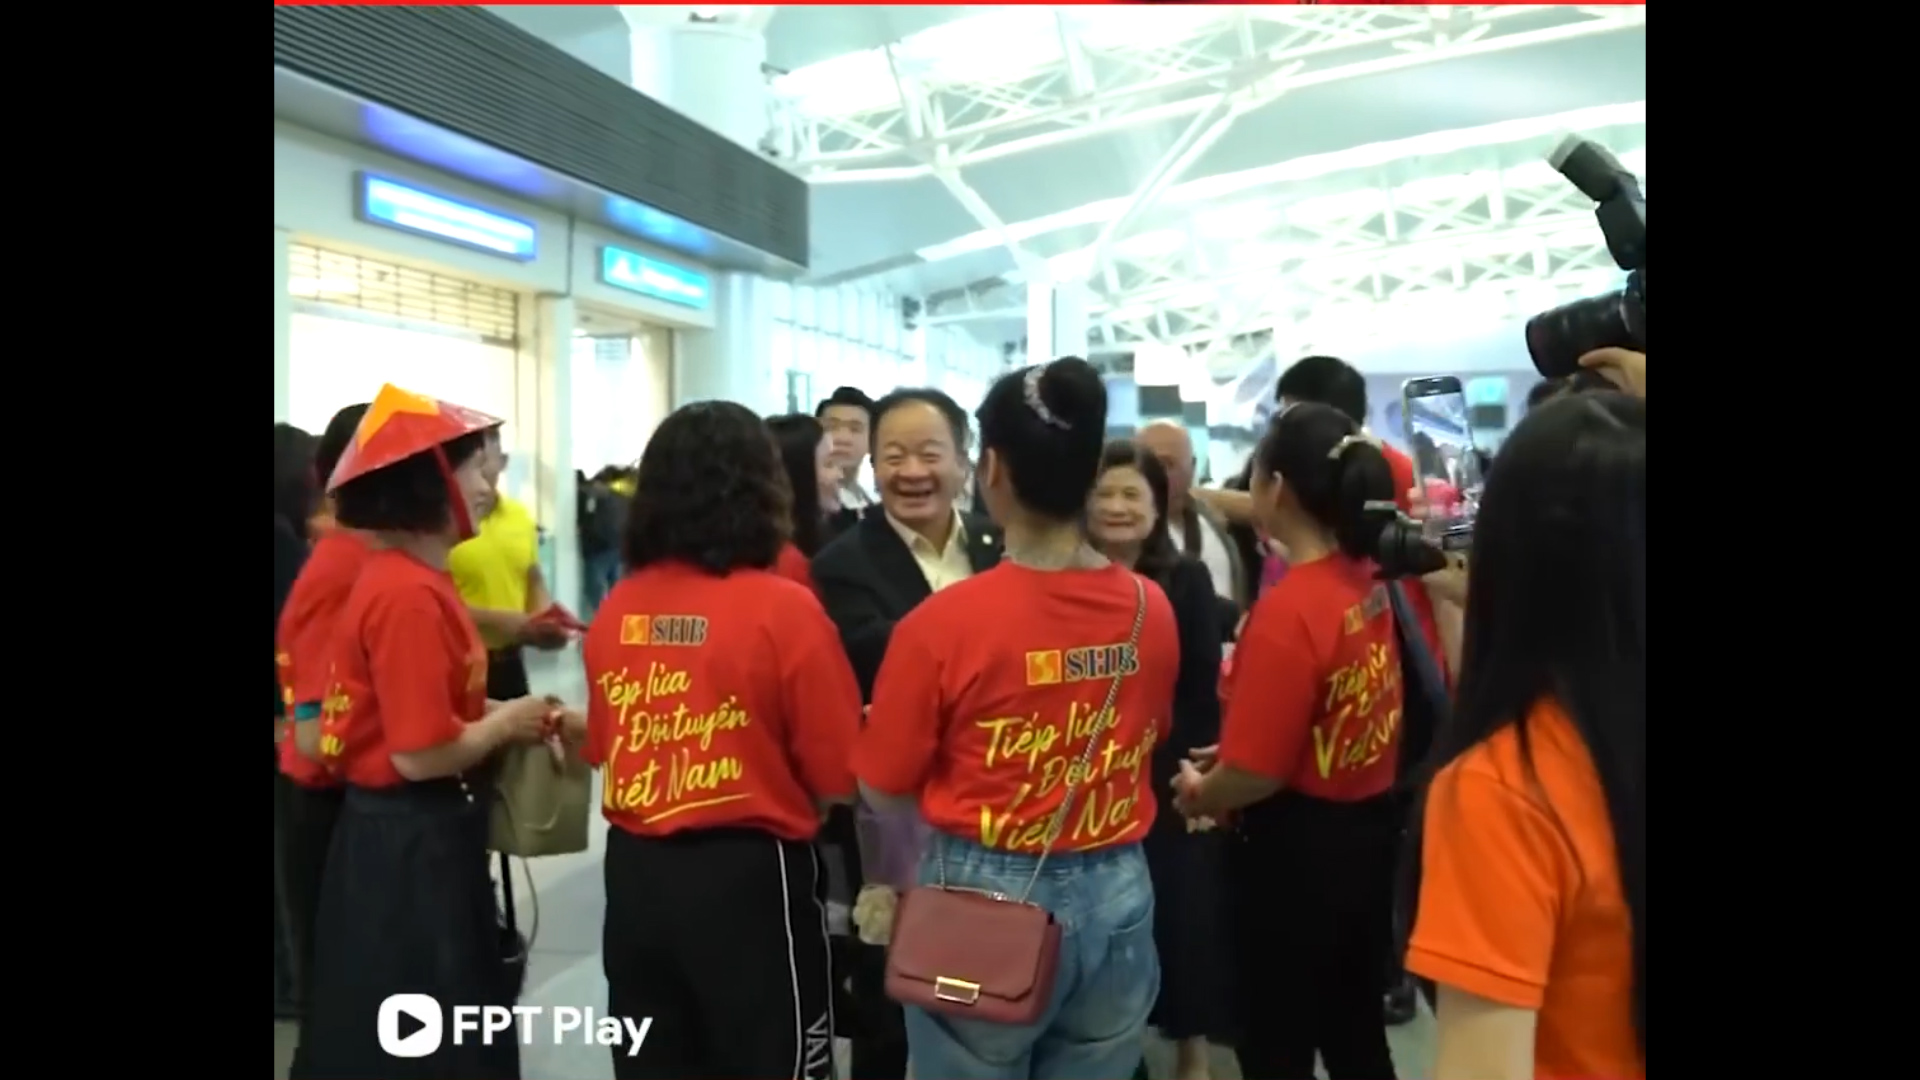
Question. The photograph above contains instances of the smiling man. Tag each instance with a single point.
(912, 545)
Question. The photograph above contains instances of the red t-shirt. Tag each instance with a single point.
(304, 652)
(718, 701)
(408, 670)
(1316, 691)
(792, 565)
(991, 689)
(1417, 598)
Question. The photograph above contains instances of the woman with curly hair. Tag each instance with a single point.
(723, 712)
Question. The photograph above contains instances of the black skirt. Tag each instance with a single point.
(406, 907)
(1189, 928)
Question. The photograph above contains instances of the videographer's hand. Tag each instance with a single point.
(1449, 585)
(1623, 368)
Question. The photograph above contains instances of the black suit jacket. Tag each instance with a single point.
(1196, 694)
(868, 580)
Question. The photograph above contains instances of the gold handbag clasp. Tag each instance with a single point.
(957, 991)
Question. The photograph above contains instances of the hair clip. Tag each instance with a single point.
(1032, 394)
(1350, 442)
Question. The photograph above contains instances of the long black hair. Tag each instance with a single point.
(798, 437)
(296, 494)
(1158, 556)
(1557, 608)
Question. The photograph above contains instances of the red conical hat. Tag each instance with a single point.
(400, 424)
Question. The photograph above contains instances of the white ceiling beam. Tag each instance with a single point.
(1226, 187)
(1491, 245)
(923, 120)
(1207, 129)
(1159, 80)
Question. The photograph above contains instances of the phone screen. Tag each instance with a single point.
(1445, 461)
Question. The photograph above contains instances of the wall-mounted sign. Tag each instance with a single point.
(398, 206)
(638, 273)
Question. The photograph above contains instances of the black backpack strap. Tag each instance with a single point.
(508, 915)
(1427, 702)
(1427, 706)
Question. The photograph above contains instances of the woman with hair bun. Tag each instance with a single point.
(406, 906)
(990, 717)
(1307, 754)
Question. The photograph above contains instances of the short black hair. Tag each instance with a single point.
(798, 437)
(711, 492)
(410, 495)
(295, 491)
(1047, 425)
(1157, 556)
(1543, 391)
(333, 442)
(1325, 380)
(925, 395)
(1351, 492)
(849, 396)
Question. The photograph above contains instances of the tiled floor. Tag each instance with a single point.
(564, 967)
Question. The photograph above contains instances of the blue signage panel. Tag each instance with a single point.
(399, 206)
(638, 273)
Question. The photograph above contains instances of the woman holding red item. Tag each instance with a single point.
(1307, 754)
(406, 905)
(303, 641)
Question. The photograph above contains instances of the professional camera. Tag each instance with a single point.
(1557, 339)
(1403, 549)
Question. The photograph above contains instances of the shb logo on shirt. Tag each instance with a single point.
(687, 630)
(1050, 667)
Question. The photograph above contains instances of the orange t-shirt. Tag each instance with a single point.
(1520, 898)
(792, 565)
(1315, 692)
(718, 702)
(408, 670)
(991, 689)
(304, 649)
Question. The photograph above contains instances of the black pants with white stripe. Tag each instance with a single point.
(719, 936)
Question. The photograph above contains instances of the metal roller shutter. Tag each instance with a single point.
(319, 280)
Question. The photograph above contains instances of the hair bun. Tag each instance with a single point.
(1073, 391)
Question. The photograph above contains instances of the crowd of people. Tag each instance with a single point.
(1258, 793)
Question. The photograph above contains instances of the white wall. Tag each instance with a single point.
(313, 199)
(852, 336)
(621, 392)
(314, 202)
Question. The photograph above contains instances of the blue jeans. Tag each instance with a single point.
(1108, 977)
(599, 574)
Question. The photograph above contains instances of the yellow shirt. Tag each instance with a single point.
(491, 569)
(941, 568)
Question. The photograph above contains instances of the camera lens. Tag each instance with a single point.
(1558, 338)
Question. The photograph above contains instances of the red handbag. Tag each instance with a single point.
(986, 955)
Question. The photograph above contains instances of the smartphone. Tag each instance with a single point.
(1446, 464)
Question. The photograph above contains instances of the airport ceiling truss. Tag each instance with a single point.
(1462, 250)
(985, 88)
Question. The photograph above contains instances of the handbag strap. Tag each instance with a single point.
(1079, 768)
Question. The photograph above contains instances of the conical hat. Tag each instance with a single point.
(400, 424)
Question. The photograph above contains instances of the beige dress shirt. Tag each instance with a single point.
(941, 568)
